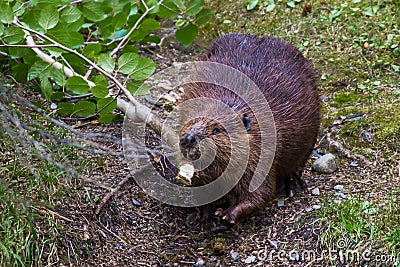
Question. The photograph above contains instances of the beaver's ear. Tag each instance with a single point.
(246, 122)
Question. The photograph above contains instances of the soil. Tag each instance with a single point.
(133, 229)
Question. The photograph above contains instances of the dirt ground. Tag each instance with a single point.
(133, 229)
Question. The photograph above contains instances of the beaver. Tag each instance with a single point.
(288, 82)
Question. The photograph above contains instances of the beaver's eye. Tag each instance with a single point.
(216, 131)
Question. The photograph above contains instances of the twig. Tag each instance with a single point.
(111, 193)
(339, 148)
(126, 37)
(114, 234)
(45, 211)
(59, 215)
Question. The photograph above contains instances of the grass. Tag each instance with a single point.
(363, 224)
(18, 245)
(30, 185)
(354, 45)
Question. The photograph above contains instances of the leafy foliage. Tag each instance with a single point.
(79, 34)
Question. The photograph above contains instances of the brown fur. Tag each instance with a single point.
(288, 82)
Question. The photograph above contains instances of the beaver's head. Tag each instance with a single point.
(201, 129)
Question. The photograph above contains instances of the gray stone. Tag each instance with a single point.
(234, 255)
(315, 192)
(281, 203)
(250, 259)
(325, 164)
(340, 195)
(317, 207)
(200, 262)
(338, 187)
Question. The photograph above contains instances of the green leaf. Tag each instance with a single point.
(101, 80)
(44, 2)
(70, 14)
(17, 52)
(151, 39)
(194, 7)
(65, 108)
(127, 62)
(291, 4)
(67, 38)
(187, 34)
(119, 21)
(77, 85)
(334, 14)
(31, 18)
(19, 9)
(252, 4)
(106, 62)
(138, 88)
(370, 11)
(38, 69)
(20, 72)
(106, 105)
(150, 24)
(57, 76)
(107, 118)
(57, 96)
(91, 50)
(270, 7)
(145, 68)
(46, 87)
(6, 13)
(13, 35)
(75, 26)
(93, 11)
(85, 108)
(203, 17)
(169, 9)
(49, 17)
(99, 91)
(118, 35)
(130, 49)
(139, 35)
(106, 28)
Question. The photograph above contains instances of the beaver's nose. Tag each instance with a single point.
(188, 141)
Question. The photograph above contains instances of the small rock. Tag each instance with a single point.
(324, 98)
(281, 203)
(250, 259)
(340, 195)
(309, 209)
(234, 255)
(294, 256)
(325, 164)
(273, 243)
(200, 262)
(169, 98)
(136, 202)
(315, 192)
(353, 164)
(317, 207)
(53, 106)
(338, 187)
